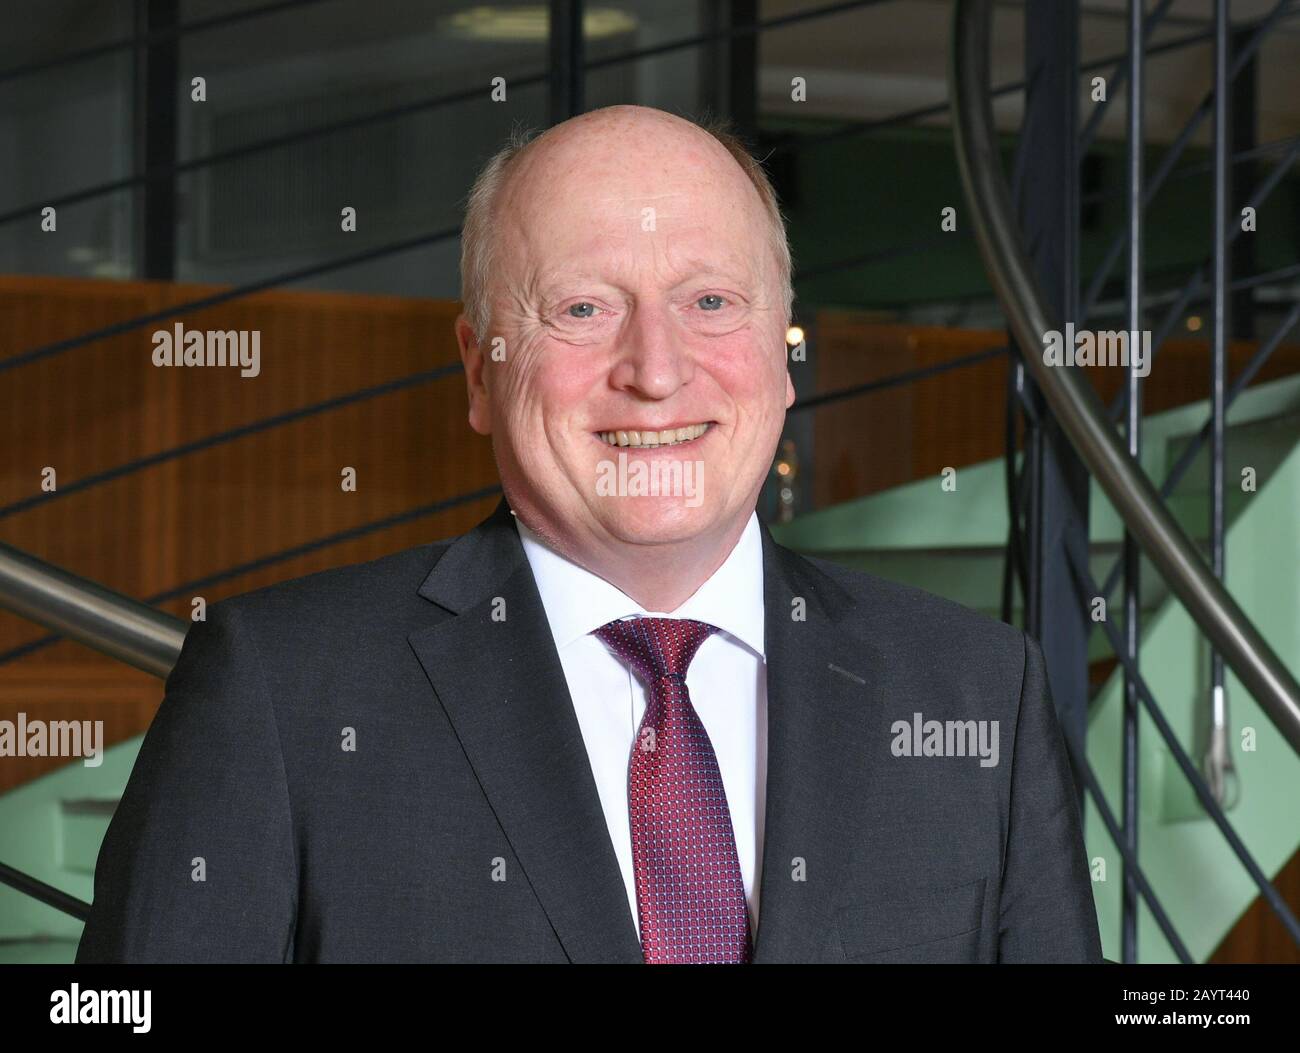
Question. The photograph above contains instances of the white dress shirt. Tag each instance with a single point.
(727, 681)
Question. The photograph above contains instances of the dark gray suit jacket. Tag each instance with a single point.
(469, 767)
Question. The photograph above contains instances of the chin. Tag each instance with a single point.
(658, 520)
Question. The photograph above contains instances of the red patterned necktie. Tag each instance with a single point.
(689, 892)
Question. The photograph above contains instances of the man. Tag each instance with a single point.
(611, 723)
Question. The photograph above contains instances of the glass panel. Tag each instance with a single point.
(65, 128)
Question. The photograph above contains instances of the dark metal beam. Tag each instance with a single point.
(742, 69)
(567, 57)
(1217, 759)
(1244, 138)
(155, 122)
(1058, 507)
(1132, 553)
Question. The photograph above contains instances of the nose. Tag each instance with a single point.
(651, 359)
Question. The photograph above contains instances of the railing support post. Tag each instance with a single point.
(1058, 503)
(155, 122)
(566, 60)
(1133, 429)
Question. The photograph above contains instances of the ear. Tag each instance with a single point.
(789, 390)
(475, 362)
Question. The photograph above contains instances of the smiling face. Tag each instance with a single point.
(638, 299)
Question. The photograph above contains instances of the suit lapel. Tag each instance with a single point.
(504, 691)
(822, 699)
(503, 688)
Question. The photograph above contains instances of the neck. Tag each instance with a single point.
(658, 577)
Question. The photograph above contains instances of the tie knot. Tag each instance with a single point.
(656, 647)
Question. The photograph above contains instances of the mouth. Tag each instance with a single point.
(651, 439)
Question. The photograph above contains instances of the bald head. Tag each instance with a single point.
(532, 168)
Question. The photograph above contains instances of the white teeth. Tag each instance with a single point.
(653, 439)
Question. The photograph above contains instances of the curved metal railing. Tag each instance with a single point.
(117, 625)
(1073, 401)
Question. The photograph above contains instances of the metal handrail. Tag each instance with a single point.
(76, 607)
(1073, 400)
(43, 892)
(90, 637)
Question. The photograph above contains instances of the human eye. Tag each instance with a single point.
(581, 309)
(711, 302)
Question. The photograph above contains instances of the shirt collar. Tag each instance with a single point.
(577, 601)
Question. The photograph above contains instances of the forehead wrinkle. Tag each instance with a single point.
(603, 256)
(636, 196)
(611, 266)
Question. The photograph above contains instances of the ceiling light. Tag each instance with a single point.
(531, 23)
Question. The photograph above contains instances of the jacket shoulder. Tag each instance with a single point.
(334, 611)
(350, 586)
(913, 619)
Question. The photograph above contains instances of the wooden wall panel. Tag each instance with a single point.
(887, 438)
(94, 408)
